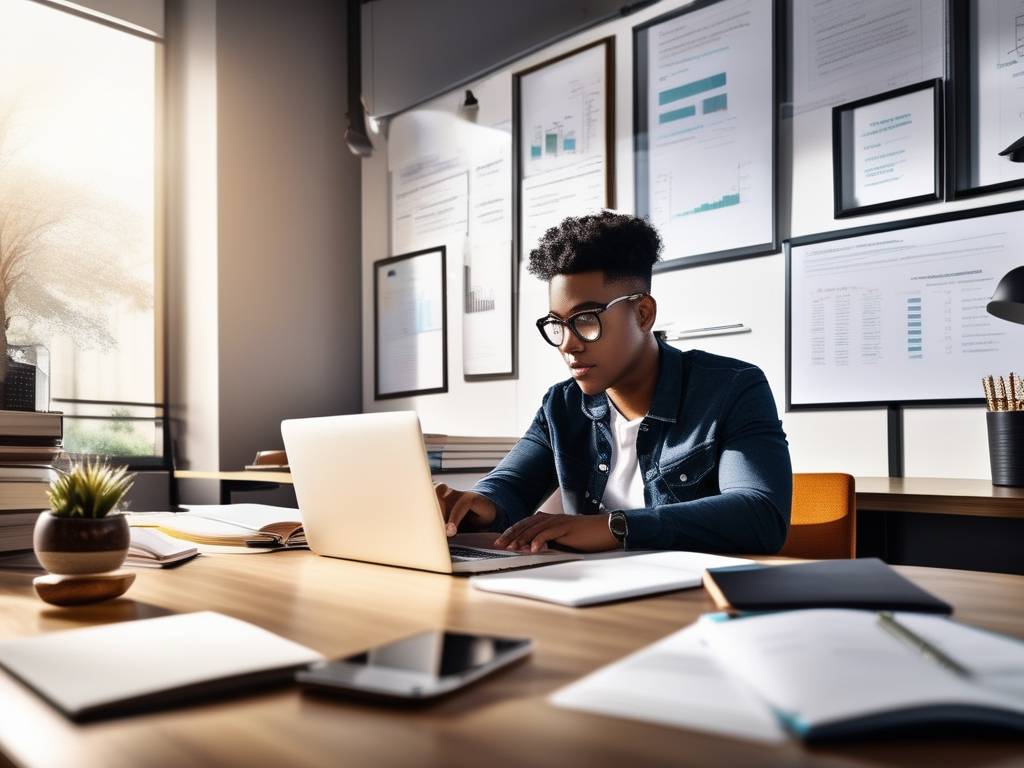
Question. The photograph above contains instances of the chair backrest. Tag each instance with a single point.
(823, 523)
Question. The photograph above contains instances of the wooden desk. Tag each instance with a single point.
(941, 522)
(938, 522)
(253, 480)
(939, 496)
(340, 607)
(242, 480)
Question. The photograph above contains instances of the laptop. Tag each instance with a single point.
(365, 491)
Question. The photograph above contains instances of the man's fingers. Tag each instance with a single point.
(537, 523)
(458, 511)
(514, 530)
(552, 532)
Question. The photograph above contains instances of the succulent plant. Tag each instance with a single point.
(90, 489)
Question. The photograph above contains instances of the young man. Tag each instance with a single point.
(652, 447)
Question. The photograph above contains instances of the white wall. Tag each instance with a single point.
(938, 442)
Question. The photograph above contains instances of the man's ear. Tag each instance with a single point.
(647, 312)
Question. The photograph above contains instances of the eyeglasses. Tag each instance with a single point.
(586, 325)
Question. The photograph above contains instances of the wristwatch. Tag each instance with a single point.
(618, 526)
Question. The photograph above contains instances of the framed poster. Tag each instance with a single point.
(986, 114)
(895, 313)
(490, 267)
(887, 150)
(705, 116)
(563, 118)
(410, 329)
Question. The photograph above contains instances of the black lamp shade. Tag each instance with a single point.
(1008, 300)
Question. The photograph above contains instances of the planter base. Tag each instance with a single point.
(82, 589)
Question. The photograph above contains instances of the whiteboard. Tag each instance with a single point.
(895, 313)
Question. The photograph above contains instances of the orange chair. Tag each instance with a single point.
(823, 523)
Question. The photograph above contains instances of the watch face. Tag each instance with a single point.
(617, 523)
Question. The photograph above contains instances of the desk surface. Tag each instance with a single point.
(340, 607)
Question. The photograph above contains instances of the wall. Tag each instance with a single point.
(938, 442)
(288, 237)
(191, 256)
(263, 227)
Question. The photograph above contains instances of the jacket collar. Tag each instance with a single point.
(668, 392)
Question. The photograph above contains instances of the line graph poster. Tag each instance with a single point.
(706, 141)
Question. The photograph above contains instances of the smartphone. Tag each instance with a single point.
(420, 667)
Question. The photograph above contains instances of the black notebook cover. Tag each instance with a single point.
(863, 583)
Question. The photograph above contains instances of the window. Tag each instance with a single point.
(80, 261)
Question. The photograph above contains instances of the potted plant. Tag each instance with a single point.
(83, 532)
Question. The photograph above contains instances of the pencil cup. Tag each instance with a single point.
(1006, 447)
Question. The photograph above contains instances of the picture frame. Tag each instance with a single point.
(903, 229)
(530, 173)
(736, 220)
(985, 112)
(410, 328)
(887, 150)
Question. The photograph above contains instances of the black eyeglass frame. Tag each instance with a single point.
(570, 321)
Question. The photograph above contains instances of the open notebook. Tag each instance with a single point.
(238, 525)
(834, 673)
(149, 548)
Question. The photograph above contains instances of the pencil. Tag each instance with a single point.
(1012, 392)
(990, 397)
(1000, 394)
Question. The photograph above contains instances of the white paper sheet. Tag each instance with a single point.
(674, 682)
(598, 580)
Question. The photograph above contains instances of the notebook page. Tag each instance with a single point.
(826, 665)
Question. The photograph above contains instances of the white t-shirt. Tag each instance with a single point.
(625, 488)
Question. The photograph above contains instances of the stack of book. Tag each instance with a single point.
(30, 442)
(459, 453)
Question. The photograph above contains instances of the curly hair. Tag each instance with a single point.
(620, 245)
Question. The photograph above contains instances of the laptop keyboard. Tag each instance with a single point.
(462, 554)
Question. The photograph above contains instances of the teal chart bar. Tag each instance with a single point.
(677, 114)
(717, 103)
(686, 90)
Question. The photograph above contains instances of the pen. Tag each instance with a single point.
(893, 627)
(990, 396)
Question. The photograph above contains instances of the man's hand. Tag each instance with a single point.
(476, 511)
(586, 533)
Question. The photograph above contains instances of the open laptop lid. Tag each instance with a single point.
(364, 488)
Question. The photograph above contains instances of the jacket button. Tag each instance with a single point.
(593, 501)
(586, 495)
(603, 467)
(643, 427)
(682, 478)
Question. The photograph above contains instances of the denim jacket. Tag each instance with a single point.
(711, 449)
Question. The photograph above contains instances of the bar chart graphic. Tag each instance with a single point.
(667, 205)
(552, 141)
(914, 345)
(670, 97)
(475, 297)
